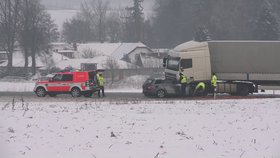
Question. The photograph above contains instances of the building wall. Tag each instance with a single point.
(3, 56)
(134, 54)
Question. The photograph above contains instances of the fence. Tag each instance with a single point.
(111, 75)
(119, 74)
(15, 71)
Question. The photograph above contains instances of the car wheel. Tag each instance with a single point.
(76, 92)
(52, 94)
(88, 94)
(161, 93)
(41, 92)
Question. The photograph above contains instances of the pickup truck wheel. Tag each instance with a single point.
(76, 92)
(41, 92)
(161, 93)
(88, 94)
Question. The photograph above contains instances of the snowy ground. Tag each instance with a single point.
(141, 129)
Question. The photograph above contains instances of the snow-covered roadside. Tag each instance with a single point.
(141, 129)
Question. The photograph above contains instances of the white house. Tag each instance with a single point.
(64, 49)
(128, 52)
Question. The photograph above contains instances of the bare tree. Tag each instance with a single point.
(134, 23)
(96, 12)
(112, 66)
(38, 30)
(9, 27)
(114, 26)
(89, 53)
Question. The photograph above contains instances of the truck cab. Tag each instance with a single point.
(194, 62)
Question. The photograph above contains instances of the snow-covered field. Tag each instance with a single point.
(141, 129)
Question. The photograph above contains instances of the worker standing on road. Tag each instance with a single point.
(214, 84)
(199, 89)
(183, 82)
(101, 82)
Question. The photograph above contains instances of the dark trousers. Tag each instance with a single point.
(183, 89)
(214, 88)
(199, 91)
(101, 89)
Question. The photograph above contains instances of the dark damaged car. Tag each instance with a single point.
(160, 88)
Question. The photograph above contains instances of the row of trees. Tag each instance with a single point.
(25, 24)
(97, 21)
(175, 21)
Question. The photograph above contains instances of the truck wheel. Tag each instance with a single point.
(244, 90)
(161, 93)
(41, 92)
(76, 92)
(88, 94)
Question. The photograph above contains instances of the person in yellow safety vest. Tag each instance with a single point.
(183, 82)
(101, 83)
(199, 89)
(214, 82)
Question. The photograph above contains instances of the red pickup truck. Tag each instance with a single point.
(74, 83)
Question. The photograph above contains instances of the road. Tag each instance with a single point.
(112, 96)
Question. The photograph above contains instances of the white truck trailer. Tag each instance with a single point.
(241, 66)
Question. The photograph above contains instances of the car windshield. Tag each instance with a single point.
(173, 63)
(149, 81)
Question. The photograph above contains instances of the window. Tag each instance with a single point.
(92, 76)
(168, 81)
(149, 81)
(186, 63)
(173, 64)
(67, 77)
(57, 77)
(158, 82)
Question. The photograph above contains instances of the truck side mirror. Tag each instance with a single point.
(164, 61)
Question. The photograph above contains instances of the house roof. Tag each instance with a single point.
(99, 60)
(100, 48)
(126, 48)
(115, 50)
(145, 60)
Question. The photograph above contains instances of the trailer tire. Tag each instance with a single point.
(244, 90)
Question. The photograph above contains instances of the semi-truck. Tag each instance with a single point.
(240, 66)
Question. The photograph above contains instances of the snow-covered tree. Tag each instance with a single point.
(202, 34)
(9, 27)
(134, 23)
(267, 26)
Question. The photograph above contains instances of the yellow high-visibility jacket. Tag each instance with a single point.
(214, 81)
(183, 79)
(100, 80)
(200, 84)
